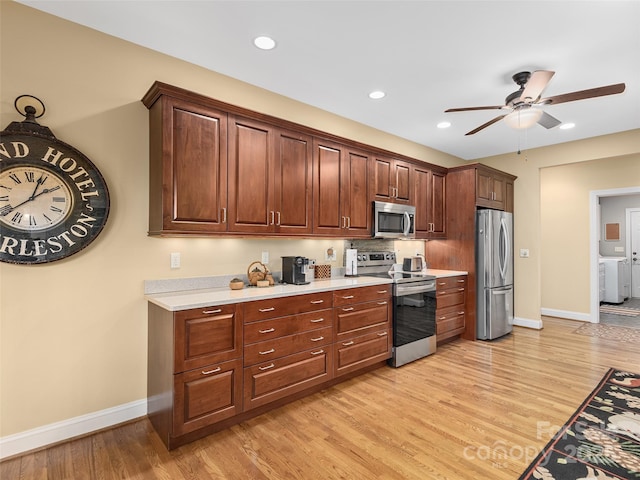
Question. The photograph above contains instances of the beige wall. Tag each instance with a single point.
(73, 333)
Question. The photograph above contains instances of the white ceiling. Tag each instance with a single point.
(426, 55)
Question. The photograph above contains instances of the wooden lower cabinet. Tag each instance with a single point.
(211, 367)
(450, 306)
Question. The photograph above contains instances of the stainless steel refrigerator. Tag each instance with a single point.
(494, 273)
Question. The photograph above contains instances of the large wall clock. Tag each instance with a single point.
(53, 200)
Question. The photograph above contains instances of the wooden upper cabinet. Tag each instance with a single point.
(340, 196)
(491, 189)
(429, 197)
(391, 180)
(188, 168)
(270, 173)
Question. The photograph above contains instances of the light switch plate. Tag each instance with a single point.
(524, 253)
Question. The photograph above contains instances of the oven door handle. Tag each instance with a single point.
(407, 290)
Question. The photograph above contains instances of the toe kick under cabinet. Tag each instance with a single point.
(211, 367)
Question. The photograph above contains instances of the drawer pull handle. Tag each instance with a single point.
(317, 301)
(347, 297)
(318, 352)
(461, 313)
(348, 343)
(382, 334)
(382, 291)
(461, 289)
(317, 339)
(382, 303)
(267, 330)
(349, 309)
(442, 318)
(263, 310)
(209, 312)
(267, 352)
(460, 281)
(317, 320)
(442, 283)
(209, 372)
(266, 367)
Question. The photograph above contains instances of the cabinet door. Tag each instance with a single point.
(207, 335)
(490, 189)
(327, 192)
(381, 179)
(356, 205)
(438, 205)
(422, 221)
(206, 396)
(188, 168)
(293, 183)
(403, 182)
(251, 176)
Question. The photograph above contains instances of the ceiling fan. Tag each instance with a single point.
(523, 105)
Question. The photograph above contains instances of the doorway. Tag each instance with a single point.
(595, 230)
(633, 249)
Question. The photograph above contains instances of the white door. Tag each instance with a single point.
(634, 230)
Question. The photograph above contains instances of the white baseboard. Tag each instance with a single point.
(528, 322)
(551, 312)
(56, 432)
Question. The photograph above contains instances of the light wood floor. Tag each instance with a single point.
(474, 410)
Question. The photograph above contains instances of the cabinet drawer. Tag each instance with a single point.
(449, 321)
(280, 307)
(362, 318)
(283, 326)
(363, 294)
(446, 283)
(358, 352)
(207, 335)
(207, 395)
(448, 298)
(266, 382)
(280, 347)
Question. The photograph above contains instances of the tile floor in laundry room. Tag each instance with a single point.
(623, 320)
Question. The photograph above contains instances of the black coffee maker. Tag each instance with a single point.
(294, 270)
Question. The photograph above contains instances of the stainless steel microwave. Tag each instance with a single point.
(392, 220)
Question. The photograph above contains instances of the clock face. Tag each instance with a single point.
(33, 199)
(53, 200)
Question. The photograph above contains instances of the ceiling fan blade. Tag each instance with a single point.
(548, 121)
(583, 94)
(485, 125)
(466, 109)
(536, 85)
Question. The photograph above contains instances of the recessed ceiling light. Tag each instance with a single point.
(377, 94)
(567, 126)
(264, 43)
(444, 125)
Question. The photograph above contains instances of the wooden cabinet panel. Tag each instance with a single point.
(491, 188)
(391, 180)
(206, 335)
(360, 318)
(283, 346)
(283, 326)
(279, 307)
(430, 220)
(250, 176)
(187, 168)
(267, 382)
(340, 191)
(357, 352)
(350, 296)
(451, 296)
(206, 396)
(450, 323)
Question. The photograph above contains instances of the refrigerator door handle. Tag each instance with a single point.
(502, 291)
(504, 249)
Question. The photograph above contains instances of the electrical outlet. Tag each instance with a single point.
(265, 257)
(330, 255)
(175, 260)
(524, 253)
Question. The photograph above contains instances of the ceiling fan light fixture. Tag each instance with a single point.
(523, 118)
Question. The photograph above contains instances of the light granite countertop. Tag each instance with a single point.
(189, 297)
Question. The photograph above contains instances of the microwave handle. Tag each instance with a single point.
(407, 228)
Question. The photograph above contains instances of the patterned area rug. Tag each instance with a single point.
(625, 311)
(609, 332)
(601, 441)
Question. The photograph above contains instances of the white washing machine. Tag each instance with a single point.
(616, 282)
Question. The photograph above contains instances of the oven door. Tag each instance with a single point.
(414, 323)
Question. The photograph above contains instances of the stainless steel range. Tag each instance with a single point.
(414, 306)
